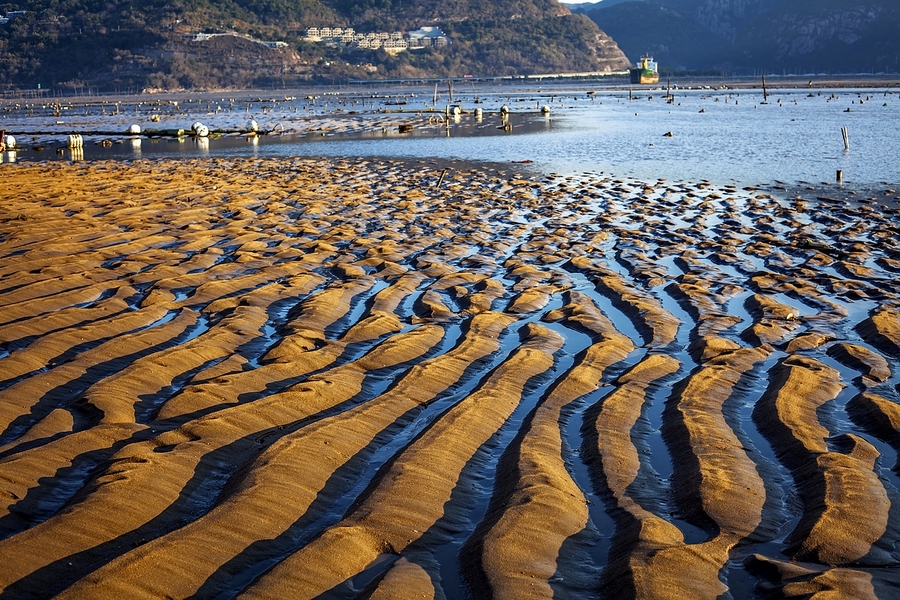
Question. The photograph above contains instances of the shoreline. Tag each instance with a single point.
(532, 83)
(885, 195)
(794, 137)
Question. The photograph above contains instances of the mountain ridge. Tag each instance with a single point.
(118, 44)
(750, 36)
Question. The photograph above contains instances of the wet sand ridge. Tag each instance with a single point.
(265, 378)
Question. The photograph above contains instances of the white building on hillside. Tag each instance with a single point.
(424, 37)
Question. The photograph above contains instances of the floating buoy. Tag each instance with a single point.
(252, 126)
(545, 110)
(200, 130)
(134, 129)
(10, 142)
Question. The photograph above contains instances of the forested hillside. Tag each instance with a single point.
(127, 45)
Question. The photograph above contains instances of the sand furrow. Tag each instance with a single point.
(113, 300)
(407, 502)
(287, 377)
(135, 392)
(533, 514)
(656, 324)
(31, 307)
(782, 579)
(874, 367)
(616, 466)
(317, 314)
(57, 348)
(219, 390)
(773, 321)
(116, 511)
(27, 401)
(717, 481)
(882, 330)
(877, 415)
(35, 483)
(846, 507)
(200, 557)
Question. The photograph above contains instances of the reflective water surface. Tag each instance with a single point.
(722, 135)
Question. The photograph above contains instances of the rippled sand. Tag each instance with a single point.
(290, 378)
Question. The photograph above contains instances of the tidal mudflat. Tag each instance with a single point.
(272, 378)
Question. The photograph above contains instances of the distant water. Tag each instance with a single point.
(725, 136)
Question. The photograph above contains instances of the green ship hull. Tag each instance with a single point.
(645, 71)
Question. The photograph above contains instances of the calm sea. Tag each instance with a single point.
(722, 135)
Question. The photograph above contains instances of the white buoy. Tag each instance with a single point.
(134, 129)
(455, 111)
(545, 110)
(10, 142)
(200, 130)
(197, 125)
(252, 125)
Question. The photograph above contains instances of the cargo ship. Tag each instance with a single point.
(645, 71)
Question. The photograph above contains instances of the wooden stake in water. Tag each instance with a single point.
(765, 92)
(846, 135)
(839, 176)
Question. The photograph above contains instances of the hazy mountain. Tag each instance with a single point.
(797, 36)
(823, 36)
(723, 17)
(675, 41)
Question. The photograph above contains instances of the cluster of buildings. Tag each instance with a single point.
(424, 37)
(11, 15)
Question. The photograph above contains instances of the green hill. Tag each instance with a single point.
(126, 45)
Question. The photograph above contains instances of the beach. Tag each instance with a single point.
(338, 377)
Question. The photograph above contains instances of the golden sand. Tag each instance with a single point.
(274, 378)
